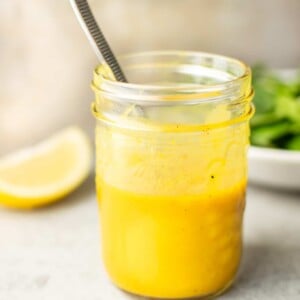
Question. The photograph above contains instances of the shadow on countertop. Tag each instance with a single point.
(268, 272)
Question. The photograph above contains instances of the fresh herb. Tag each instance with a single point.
(276, 122)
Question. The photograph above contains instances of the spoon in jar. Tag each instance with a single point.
(96, 38)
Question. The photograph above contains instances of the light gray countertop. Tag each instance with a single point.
(53, 253)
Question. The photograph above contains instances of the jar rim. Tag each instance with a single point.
(140, 93)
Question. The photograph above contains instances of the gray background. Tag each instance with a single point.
(46, 63)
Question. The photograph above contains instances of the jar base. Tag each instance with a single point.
(202, 297)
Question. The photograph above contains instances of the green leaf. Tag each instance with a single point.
(264, 119)
(289, 108)
(276, 122)
(293, 143)
(266, 135)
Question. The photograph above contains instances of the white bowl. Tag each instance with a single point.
(274, 167)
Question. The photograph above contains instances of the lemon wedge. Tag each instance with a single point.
(46, 172)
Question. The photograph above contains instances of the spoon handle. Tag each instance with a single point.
(93, 32)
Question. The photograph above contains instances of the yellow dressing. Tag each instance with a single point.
(178, 246)
(171, 207)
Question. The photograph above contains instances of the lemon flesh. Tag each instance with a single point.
(46, 172)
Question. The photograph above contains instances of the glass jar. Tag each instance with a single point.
(171, 171)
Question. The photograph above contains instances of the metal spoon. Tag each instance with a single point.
(96, 38)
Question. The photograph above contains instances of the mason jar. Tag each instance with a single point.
(171, 171)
